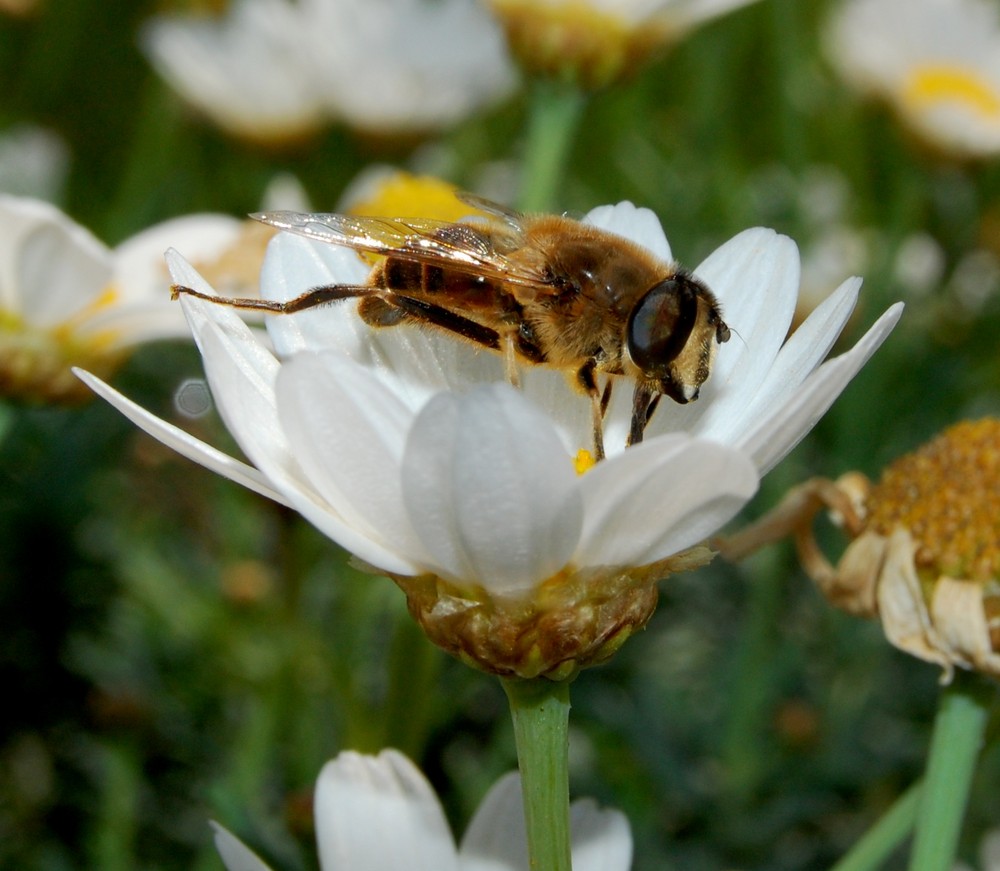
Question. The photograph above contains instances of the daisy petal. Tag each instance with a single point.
(602, 839)
(489, 461)
(638, 224)
(348, 430)
(139, 266)
(660, 497)
(246, 400)
(52, 265)
(755, 276)
(496, 837)
(805, 349)
(236, 855)
(376, 813)
(777, 435)
(294, 265)
(184, 443)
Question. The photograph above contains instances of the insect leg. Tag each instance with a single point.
(587, 378)
(510, 369)
(644, 402)
(425, 312)
(309, 299)
(414, 309)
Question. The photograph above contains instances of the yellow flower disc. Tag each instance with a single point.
(946, 495)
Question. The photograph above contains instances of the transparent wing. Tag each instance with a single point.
(481, 249)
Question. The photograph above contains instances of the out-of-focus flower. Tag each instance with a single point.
(410, 449)
(379, 813)
(596, 42)
(936, 62)
(272, 70)
(33, 162)
(925, 550)
(67, 300)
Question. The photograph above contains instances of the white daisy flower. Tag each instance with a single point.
(67, 299)
(278, 69)
(379, 813)
(936, 62)
(596, 42)
(408, 448)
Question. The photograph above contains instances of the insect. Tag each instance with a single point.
(538, 289)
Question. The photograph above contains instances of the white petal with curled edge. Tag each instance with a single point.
(348, 431)
(184, 443)
(491, 490)
(798, 358)
(380, 813)
(778, 434)
(659, 497)
(633, 222)
(236, 855)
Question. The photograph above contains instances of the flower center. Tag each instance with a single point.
(401, 195)
(575, 41)
(934, 84)
(947, 495)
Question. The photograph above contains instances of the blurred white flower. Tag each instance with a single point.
(936, 62)
(33, 162)
(379, 813)
(67, 299)
(408, 448)
(596, 42)
(278, 69)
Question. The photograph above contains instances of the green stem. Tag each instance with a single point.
(540, 710)
(556, 108)
(955, 745)
(878, 843)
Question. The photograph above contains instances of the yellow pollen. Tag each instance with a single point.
(402, 195)
(583, 461)
(935, 84)
(947, 495)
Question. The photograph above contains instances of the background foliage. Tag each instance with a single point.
(174, 649)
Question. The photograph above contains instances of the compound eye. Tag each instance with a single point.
(661, 323)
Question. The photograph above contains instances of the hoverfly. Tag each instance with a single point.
(538, 289)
